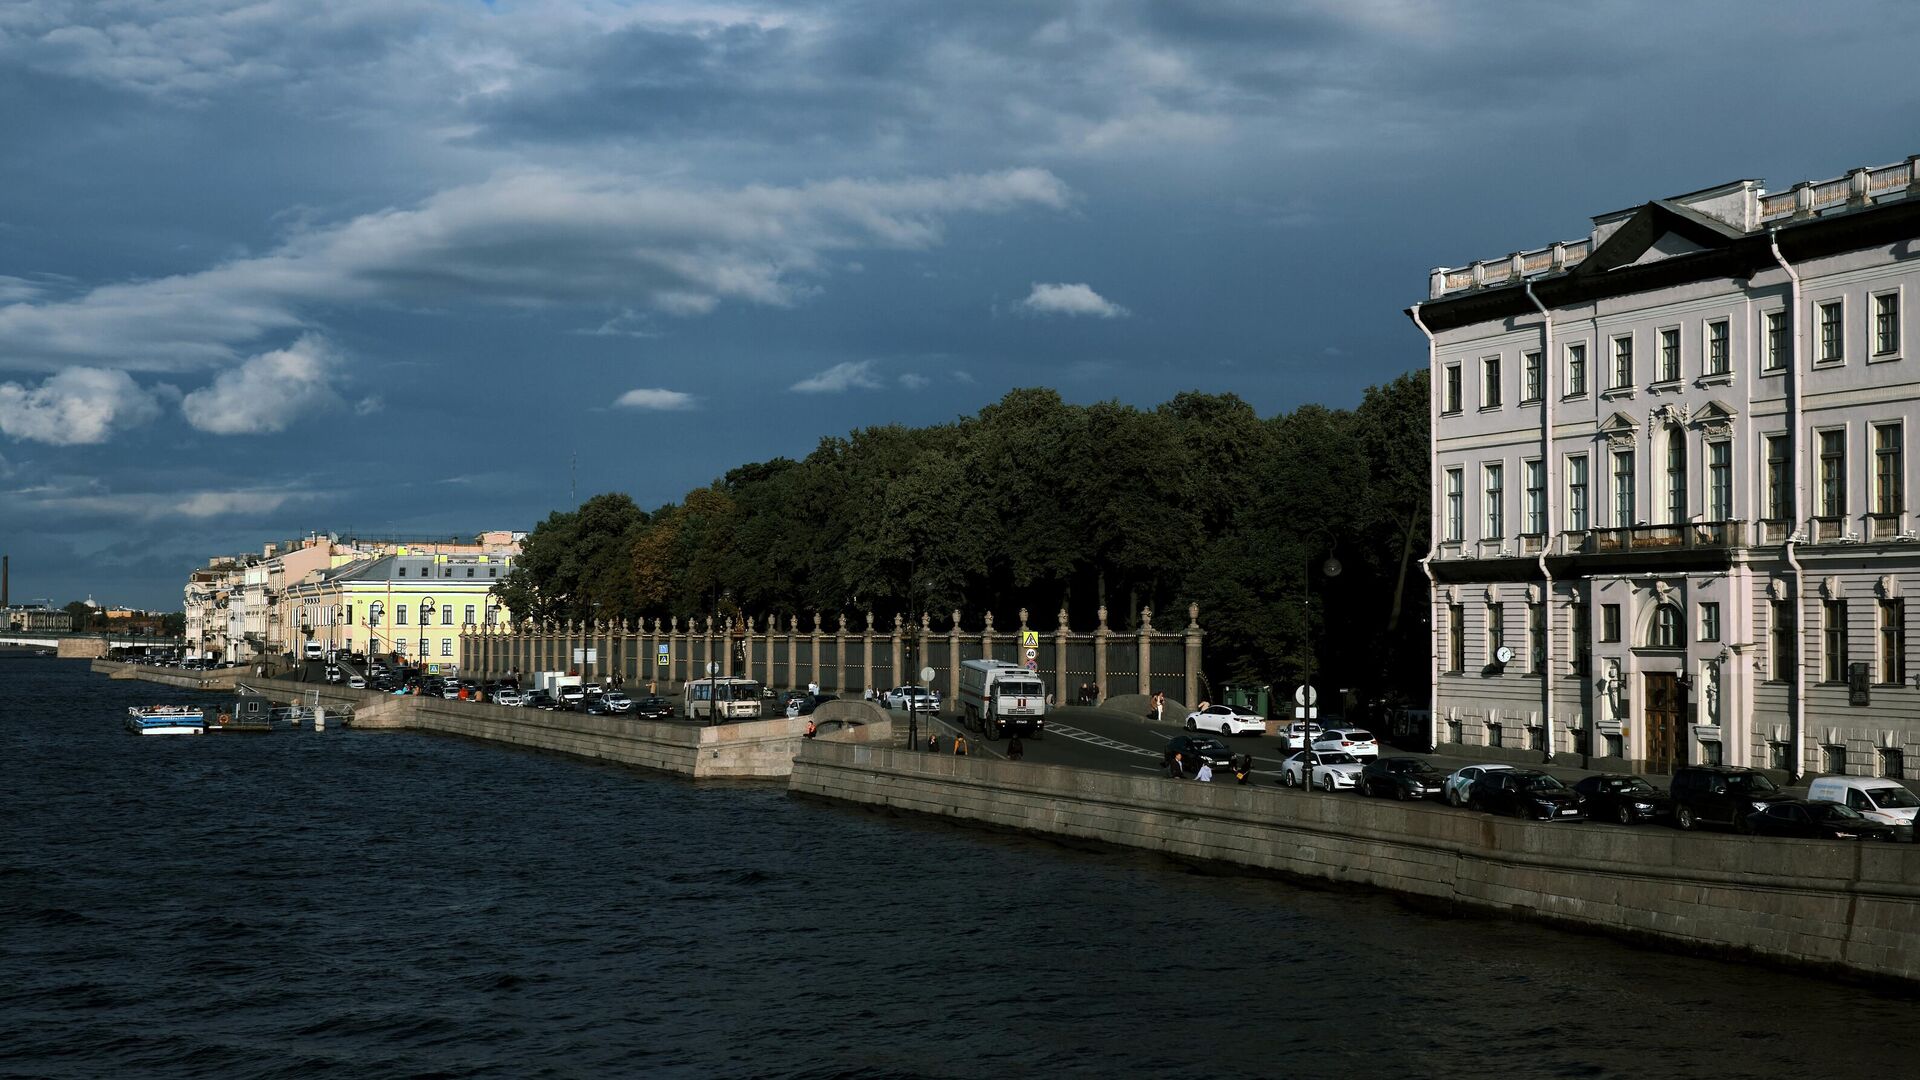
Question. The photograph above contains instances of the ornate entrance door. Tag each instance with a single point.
(1664, 709)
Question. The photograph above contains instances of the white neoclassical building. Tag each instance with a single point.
(1669, 471)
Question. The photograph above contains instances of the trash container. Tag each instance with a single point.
(1262, 700)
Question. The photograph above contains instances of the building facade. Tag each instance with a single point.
(407, 606)
(1670, 475)
(36, 618)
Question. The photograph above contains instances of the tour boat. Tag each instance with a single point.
(166, 720)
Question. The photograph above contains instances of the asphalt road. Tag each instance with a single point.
(1092, 738)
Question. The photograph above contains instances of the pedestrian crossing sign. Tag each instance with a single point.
(1029, 639)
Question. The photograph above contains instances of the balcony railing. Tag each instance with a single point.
(1691, 536)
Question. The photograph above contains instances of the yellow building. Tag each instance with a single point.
(409, 607)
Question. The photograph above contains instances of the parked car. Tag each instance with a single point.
(1720, 795)
(1194, 749)
(1628, 800)
(1526, 793)
(572, 694)
(899, 696)
(1816, 819)
(1885, 801)
(1331, 771)
(653, 708)
(619, 702)
(1459, 780)
(357, 681)
(1302, 729)
(1356, 741)
(808, 703)
(1402, 778)
(597, 706)
(539, 699)
(509, 697)
(1226, 720)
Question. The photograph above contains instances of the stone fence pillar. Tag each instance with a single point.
(1100, 636)
(1146, 651)
(1194, 634)
(1060, 639)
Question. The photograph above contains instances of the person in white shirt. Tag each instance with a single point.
(1205, 774)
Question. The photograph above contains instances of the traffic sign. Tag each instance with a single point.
(713, 667)
(1304, 713)
(662, 650)
(663, 656)
(1033, 665)
(1029, 639)
(926, 674)
(1306, 695)
(1033, 654)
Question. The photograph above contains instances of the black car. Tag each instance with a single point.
(1194, 749)
(653, 708)
(1628, 800)
(597, 706)
(1402, 778)
(813, 701)
(1816, 819)
(540, 699)
(1720, 795)
(1526, 793)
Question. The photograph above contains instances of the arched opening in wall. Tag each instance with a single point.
(1663, 627)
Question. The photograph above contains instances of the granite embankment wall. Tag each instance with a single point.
(219, 680)
(1848, 907)
(750, 750)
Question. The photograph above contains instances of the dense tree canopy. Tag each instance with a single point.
(1040, 504)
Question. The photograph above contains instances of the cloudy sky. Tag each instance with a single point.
(391, 266)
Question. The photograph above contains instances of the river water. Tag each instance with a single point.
(365, 904)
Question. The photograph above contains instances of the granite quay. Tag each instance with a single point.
(842, 659)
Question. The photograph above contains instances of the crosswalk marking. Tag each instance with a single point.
(1098, 740)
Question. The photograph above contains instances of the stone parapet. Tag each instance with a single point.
(1839, 906)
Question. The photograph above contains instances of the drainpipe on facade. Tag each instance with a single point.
(1433, 527)
(1546, 519)
(1799, 712)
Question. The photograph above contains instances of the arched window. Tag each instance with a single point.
(1663, 632)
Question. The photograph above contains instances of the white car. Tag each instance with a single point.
(1298, 730)
(1353, 741)
(508, 696)
(1226, 720)
(1331, 771)
(357, 682)
(1461, 779)
(898, 697)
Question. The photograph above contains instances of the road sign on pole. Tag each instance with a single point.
(1029, 639)
(1306, 695)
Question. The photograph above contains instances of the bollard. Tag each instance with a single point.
(319, 718)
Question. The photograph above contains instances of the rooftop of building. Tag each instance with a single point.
(1732, 210)
(478, 568)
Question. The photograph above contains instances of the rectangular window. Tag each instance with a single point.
(1833, 474)
(1834, 656)
(1537, 637)
(1775, 332)
(1622, 488)
(446, 646)
(1709, 622)
(1489, 382)
(400, 615)
(403, 572)
(1889, 469)
(1779, 487)
(1609, 622)
(1833, 337)
(1719, 480)
(1719, 357)
(1577, 492)
(446, 615)
(1535, 378)
(1576, 369)
(467, 620)
(1496, 512)
(1670, 354)
(349, 614)
(1676, 479)
(1886, 324)
(1456, 637)
(1622, 362)
(1536, 498)
(1496, 630)
(493, 615)
(373, 614)
(1782, 646)
(1893, 642)
(470, 570)
(1581, 661)
(1456, 498)
(1452, 401)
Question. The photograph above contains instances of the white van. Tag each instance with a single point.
(316, 650)
(1879, 799)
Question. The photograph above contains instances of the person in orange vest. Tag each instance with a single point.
(960, 746)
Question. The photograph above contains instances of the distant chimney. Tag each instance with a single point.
(5, 573)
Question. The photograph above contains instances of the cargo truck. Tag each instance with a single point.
(1002, 698)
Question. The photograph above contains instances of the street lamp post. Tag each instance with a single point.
(1329, 569)
(426, 621)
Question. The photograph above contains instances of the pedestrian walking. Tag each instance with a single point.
(1175, 768)
(1160, 705)
(1016, 749)
(1205, 774)
(960, 746)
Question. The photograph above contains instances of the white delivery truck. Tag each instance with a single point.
(999, 697)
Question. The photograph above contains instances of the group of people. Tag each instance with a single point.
(1241, 765)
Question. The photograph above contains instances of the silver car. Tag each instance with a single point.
(1331, 771)
(1462, 778)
